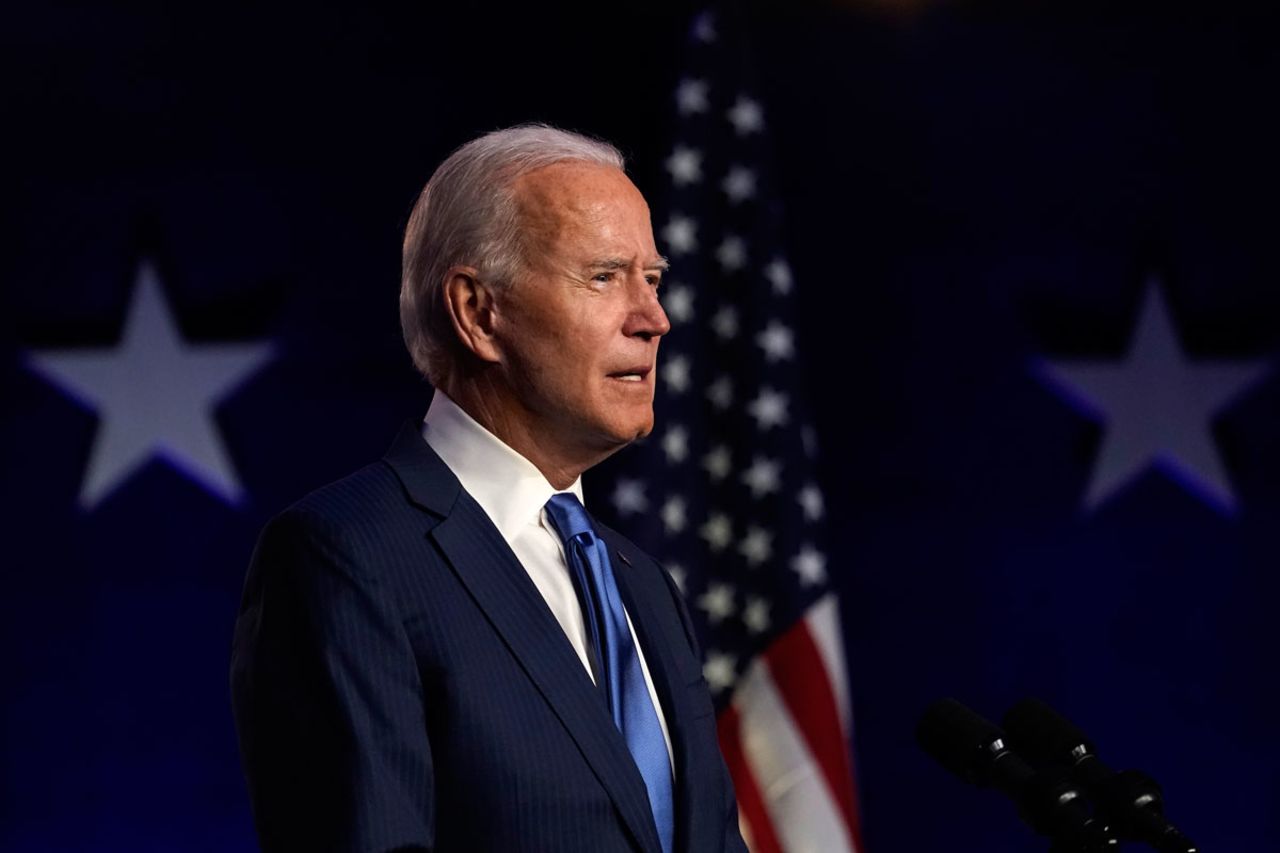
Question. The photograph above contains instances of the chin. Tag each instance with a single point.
(619, 435)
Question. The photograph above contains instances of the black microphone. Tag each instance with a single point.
(974, 749)
(1132, 801)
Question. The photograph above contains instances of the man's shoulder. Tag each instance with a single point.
(367, 506)
(410, 477)
(373, 488)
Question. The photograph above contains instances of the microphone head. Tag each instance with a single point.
(1044, 736)
(960, 740)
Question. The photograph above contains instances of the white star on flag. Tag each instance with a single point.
(628, 497)
(718, 670)
(763, 477)
(739, 184)
(725, 322)
(756, 546)
(685, 166)
(1158, 407)
(681, 235)
(732, 253)
(778, 274)
(676, 444)
(155, 395)
(675, 373)
(718, 462)
(718, 531)
(720, 392)
(756, 615)
(769, 409)
(810, 565)
(673, 514)
(691, 97)
(717, 601)
(746, 116)
(810, 498)
(678, 303)
(704, 28)
(776, 341)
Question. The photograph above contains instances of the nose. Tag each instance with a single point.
(647, 319)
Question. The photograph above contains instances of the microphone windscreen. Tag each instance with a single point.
(958, 739)
(1043, 735)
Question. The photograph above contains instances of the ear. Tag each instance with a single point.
(471, 306)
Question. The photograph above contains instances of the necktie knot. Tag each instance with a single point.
(569, 517)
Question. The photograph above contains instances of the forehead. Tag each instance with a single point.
(574, 192)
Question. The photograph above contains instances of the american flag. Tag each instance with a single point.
(724, 492)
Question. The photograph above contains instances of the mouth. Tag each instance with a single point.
(632, 374)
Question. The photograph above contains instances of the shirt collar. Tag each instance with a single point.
(509, 488)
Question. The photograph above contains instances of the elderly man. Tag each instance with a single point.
(444, 651)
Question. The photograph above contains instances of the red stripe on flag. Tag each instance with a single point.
(750, 802)
(796, 666)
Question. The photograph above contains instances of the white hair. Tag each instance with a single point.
(468, 214)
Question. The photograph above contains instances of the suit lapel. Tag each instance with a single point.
(503, 590)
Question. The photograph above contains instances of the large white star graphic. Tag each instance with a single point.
(1157, 406)
(155, 395)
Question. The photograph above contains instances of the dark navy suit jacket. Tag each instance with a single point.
(399, 682)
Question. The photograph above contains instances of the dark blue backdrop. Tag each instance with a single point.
(974, 191)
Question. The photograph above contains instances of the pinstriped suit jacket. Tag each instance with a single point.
(398, 682)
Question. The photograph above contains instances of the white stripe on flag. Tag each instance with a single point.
(824, 627)
(805, 816)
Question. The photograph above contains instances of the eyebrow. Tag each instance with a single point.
(660, 263)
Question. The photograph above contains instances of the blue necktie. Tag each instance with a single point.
(629, 701)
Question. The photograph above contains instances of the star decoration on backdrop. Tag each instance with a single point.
(1157, 406)
(155, 395)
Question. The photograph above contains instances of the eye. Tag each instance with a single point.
(654, 280)
(603, 277)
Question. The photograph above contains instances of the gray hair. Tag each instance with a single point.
(468, 214)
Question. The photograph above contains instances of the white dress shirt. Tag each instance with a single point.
(513, 493)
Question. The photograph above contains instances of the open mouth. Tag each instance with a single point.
(632, 374)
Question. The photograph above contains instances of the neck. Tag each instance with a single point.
(490, 406)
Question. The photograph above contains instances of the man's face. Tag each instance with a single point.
(579, 328)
